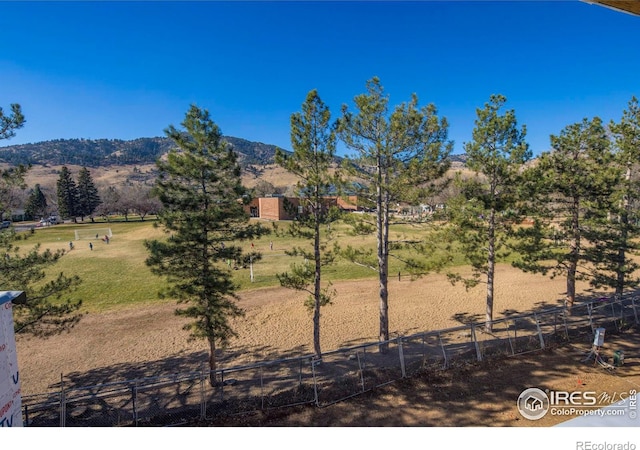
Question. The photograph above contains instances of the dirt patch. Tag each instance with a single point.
(149, 340)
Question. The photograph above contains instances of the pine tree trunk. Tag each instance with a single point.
(620, 272)
(491, 264)
(624, 223)
(383, 262)
(571, 286)
(574, 256)
(317, 287)
(212, 362)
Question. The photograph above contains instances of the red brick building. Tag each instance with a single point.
(283, 208)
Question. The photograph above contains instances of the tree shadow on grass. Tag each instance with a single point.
(467, 318)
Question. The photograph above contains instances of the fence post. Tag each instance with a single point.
(424, 352)
(300, 374)
(221, 384)
(444, 351)
(63, 403)
(62, 408)
(134, 397)
(401, 354)
(26, 415)
(635, 313)
(475, 341)
(613, 315)
(535, 316)
(203, 401)
(589, 307)
(513, 350)
(360, 366)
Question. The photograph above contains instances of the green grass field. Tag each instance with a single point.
(115, 274)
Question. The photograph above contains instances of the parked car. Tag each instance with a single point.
(5, 224)
(53, 220)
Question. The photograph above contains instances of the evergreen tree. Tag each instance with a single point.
(88, 198)
(484, 214)
(12, 122)
(36, 203)
(395, 154)
(573, 186)
(13, 177)
(314, 143)
(48, 309)
(67, 192)
(616, 262)
(201, 192)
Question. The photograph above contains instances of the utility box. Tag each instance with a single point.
(598, 341)
(618, 358)
(10, 397)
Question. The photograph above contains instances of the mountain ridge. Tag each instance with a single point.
(146, 150)
(106, 152)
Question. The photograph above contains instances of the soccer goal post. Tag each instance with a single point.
(93, 233)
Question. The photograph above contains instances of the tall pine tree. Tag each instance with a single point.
(67, 193)
(617, 265)
(573, 186)
(484, 214)
(36, 203)
(201, 192)
(396, 153)
(314, 144)
(88, 198)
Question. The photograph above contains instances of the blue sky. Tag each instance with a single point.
(129, 69)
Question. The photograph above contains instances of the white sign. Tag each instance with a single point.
(10, 398)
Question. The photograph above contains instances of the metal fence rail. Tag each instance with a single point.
(340, 374)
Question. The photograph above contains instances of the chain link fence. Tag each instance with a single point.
(192, 396)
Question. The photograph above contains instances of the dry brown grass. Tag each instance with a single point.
(276, 324)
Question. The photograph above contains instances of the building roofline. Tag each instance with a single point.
(625, 6)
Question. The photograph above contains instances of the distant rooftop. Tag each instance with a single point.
(628, 6)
